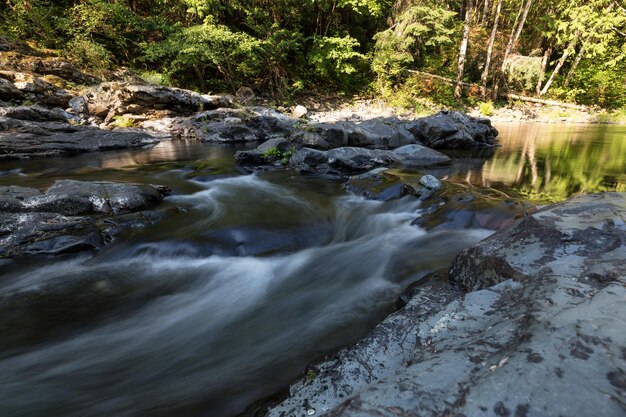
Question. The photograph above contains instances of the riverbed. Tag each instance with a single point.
(251, 276)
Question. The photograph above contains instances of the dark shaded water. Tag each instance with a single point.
(251, 277)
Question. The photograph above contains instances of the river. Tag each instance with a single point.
(250, 277)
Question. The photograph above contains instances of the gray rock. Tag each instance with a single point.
(111, 99)
(229, 125)
(392, 133)
(57, 222)
(357, 160)
(547, 340)
(23, 234)
(453, 130)
(430, 182)
(8, 90)
(345, 160)
(53, 140)
(35, 114)
(419, 155)
(580, 238)
(311, 140)
(70, 197)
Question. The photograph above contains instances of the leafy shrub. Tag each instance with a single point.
(156, 78)
(208, 51)
(486, 108)
(335, 57)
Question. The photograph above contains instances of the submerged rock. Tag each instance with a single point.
(520, 347)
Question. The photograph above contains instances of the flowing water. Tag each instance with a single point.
(249, 278)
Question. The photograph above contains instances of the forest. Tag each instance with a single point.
(573, 51)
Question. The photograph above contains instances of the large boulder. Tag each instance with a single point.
(547, 340)
(453, 130)
(72, 198)
(356, 160)
(375, 134)
(582, 238)
(118, 98)
(340, 160)
(226, 125)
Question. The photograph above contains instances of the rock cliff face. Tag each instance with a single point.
(542, 334)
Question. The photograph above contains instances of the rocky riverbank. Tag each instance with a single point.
(540, 332)
(527, 317)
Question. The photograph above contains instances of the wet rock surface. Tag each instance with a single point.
(68, 217)
(34, 131)
(521, 347)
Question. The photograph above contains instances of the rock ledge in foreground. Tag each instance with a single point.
(549, 339)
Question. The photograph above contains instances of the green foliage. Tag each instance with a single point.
(156, 78)
(486, 108)
(205, 51)
(523, 72)
(287, 47)
(335, 57)
(274, 154)
(123, 121)
(418, 31)
(30, 19)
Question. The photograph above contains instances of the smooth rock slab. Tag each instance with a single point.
(582, 238)
(72, 198)
(68, 140)
(548, 342)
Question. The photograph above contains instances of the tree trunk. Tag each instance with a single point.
(566, 54)
(485, 13)
(492, 39)
(544, 66)
(572, 70)
(463, 49)
(520, 20)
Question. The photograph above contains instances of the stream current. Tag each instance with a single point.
(250, 277)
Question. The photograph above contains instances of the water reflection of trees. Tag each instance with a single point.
(555, 161)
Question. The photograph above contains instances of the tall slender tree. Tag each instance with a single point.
(494, 30)
(463, 49)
